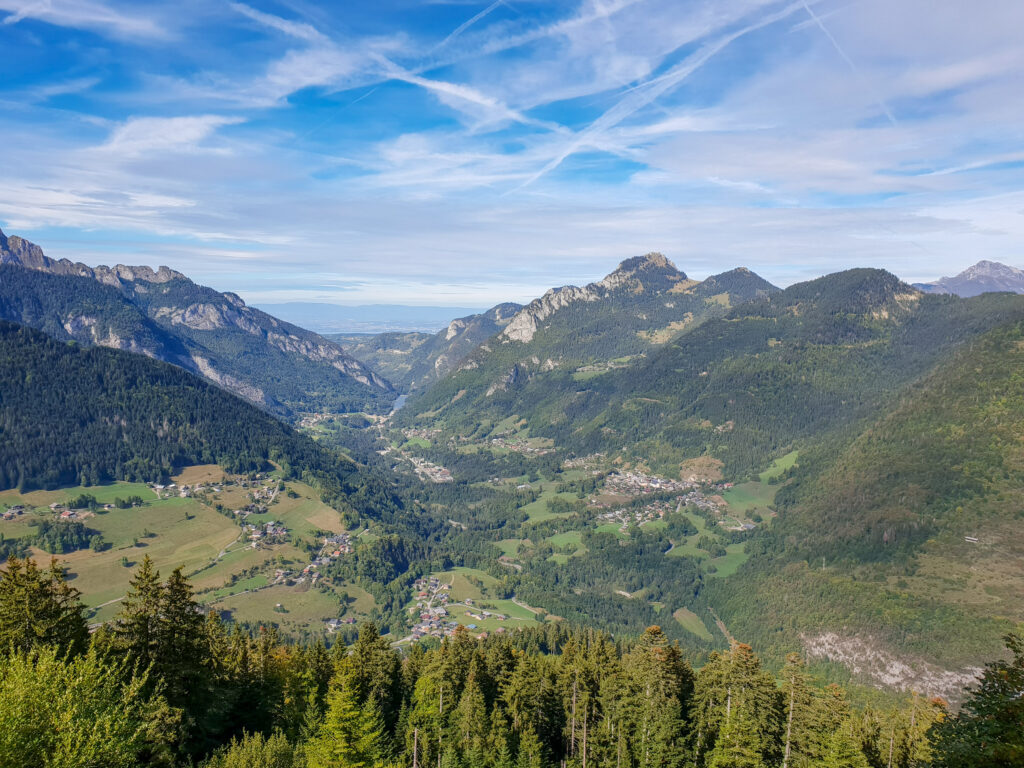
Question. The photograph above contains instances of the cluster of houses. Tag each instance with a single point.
(333, 625)
(519, 445)
(270, 532)
(12, 512)
(699, 500)
(431, 472)
(422, 434)
(183, 491)
(335, 545)
(625, 516)
(432, 599)
(251, 509)
(638, 484)
(583, 462)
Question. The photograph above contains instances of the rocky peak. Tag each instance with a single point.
(983, 277)
(652, 273)
(991, 269)
(17, 250)
(652, 266)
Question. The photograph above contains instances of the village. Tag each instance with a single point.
(434, 603)
(519, 445)
(638, 484)
(431, 472)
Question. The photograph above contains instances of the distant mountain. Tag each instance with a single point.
(983, 277)
(163, 314)
(741, 386)
(366, 319)
(415, 360)
(573, 334)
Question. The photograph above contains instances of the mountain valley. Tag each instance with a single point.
(722, 458)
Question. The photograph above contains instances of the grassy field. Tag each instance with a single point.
(612, 528)
(688, 548)
(416, 442)
(510, 547)
(302, 608)
(210, 547)
(779, 466)
(730, 563)
(745, 498)
(726, 565)
(572, 539)
(538, 510)
(692, 623)
(104, 494)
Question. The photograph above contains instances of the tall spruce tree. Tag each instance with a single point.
(350, 736)
(39, 608)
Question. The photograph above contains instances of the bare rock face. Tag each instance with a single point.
(17, 250)
(652, 272)
(175, 307)
(870, 661)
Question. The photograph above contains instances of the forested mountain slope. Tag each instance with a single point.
(163, 314)
(747, 386)
(70, 415)
(571, 335)
(416, 360)
(908, 532)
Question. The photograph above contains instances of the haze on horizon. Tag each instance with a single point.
(452, 152)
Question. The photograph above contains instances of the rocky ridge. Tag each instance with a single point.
(196, 317)
(983, 277)
(638, 274)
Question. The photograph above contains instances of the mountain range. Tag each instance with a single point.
(849, 446)
(983, 277)
(164, 315)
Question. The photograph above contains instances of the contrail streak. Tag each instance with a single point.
(847, 59)
(647, 92)
(467, 24)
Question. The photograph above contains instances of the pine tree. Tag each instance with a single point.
(136, 630)
(349, 736)
(843, 749)
(374, 671)
(739, 744)
(180, 654)
(39, 608)
(471, 721)
(531, 752)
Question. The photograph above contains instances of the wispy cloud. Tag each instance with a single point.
(423, 150)
(144, 135)
(83, 14)
(839, 49)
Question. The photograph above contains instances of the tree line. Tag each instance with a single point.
(164, 685)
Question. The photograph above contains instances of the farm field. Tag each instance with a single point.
(780, 466)
(692, 623)
(726, 565)
(746, 498)
(200, 534)
(538, 510)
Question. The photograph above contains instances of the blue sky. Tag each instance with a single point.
(457, 152)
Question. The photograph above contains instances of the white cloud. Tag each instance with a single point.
(164, 134)
(83, 14)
